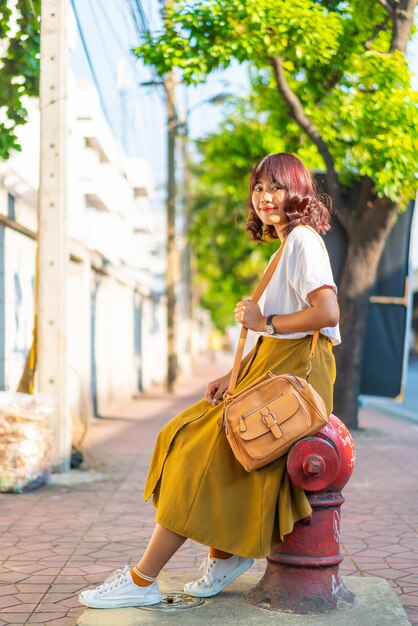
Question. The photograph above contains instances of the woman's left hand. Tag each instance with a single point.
(249, 315)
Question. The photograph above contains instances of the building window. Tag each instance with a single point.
(11, 207)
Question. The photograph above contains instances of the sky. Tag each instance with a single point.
(137, 113)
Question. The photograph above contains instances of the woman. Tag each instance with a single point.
(199, 489)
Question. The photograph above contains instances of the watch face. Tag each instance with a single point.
(270, 329)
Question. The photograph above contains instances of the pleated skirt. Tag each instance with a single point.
(202, 492)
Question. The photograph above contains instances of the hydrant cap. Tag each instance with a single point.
(324, 461)
(313, 464)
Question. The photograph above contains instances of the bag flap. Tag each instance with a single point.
(252, 425)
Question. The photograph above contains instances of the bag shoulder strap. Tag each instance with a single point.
(244, 331)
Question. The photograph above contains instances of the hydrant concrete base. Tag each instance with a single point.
(376, 604)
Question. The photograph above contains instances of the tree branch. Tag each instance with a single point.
(401, 13)
(329, 84)
(296, 111)
(389, 6)
(378, 29)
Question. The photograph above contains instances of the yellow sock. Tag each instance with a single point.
(141, 579)
(214, 553)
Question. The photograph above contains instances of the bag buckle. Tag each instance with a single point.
(272, 423)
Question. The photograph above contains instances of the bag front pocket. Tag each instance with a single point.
(281, 420)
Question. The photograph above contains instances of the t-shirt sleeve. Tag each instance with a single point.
(308, 264)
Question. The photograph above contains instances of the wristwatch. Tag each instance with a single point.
(269, 328)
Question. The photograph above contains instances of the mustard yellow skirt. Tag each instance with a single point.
(199, 488)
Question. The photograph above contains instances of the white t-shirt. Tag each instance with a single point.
(304, 266)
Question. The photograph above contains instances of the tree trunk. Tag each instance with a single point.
(367, 233)
(403, 20)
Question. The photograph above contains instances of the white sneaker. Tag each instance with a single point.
(119, 590)
(217, 574)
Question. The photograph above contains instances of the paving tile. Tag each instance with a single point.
(411, 591)
(21, 608)
(410, 579)
(26, 568)
(366, 563)
(70, 532)
(39, 579)
(53, 561)
(12, 577)
(63, 578)
(8, 601)
(28, 598)
(412, 570)
(54, 607)
(68, 603)
(13, 618)
(58, 596)
(60, 621)
(412, 613)
(44, 554)
(72, 571)
(31, 587)
(6, 590)
(10, 551)
(68, 588)
(94, 568)
(47, 618)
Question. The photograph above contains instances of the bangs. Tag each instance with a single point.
(270, 169)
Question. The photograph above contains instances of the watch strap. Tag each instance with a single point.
(269, 321)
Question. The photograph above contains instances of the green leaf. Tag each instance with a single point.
(19, 65)
(337, 60)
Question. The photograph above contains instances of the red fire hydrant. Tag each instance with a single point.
(302, 574)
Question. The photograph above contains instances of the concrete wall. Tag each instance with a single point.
(113, 334)
(116, 335)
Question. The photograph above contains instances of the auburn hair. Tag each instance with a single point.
(303, 203)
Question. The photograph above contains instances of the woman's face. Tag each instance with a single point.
(268, 201)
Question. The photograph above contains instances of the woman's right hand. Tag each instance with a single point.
(216, 389)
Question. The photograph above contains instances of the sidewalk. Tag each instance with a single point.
(57, 540)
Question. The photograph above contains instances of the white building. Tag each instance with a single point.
(116, 311)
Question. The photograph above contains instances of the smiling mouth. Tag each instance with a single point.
(268, 208)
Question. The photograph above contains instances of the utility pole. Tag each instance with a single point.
(187, 252)
(171, 250)
(169, 83)
(52, 223)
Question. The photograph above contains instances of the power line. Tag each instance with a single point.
(103, 43)
(139, 25)
(138, 16)
(126, 50)
(89, 60)
(121, 44)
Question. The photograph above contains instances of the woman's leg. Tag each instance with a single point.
(214, 553)
(138, 586)
(161, 547)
